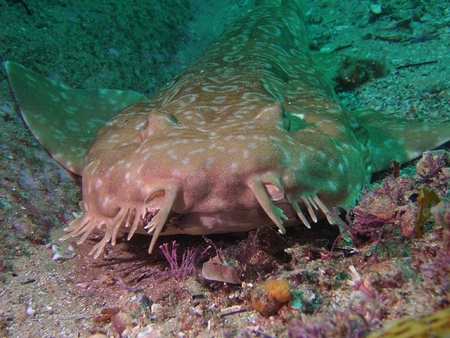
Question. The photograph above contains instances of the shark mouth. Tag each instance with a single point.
(130, 219)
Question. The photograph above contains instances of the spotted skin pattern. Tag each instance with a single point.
(250, 134)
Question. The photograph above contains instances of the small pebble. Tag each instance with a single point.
(30, 311)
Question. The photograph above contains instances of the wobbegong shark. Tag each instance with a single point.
(251, 133)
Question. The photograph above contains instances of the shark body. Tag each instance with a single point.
(250, 134)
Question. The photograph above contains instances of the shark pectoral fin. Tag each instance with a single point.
(65, 120)
(400, 139)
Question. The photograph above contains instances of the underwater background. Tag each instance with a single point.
(393, 56)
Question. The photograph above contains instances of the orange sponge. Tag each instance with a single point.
(268, 297)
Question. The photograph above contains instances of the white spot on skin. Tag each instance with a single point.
(332, 185)
(196, 151)
(229, 137)
(98, 183)
(321, 153)
(106, 200)
(172, 154)
(127, 177)
(209, 161)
